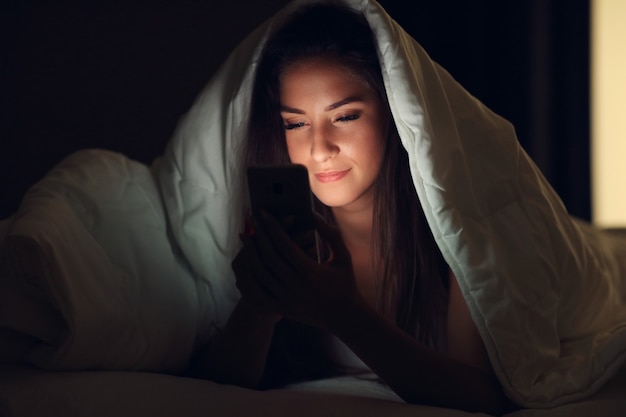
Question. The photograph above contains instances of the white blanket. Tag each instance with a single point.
(546, 292)
(135, 274)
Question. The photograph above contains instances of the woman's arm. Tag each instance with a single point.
(414, 371)
(238, 353)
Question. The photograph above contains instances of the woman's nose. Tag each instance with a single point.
(323, 145)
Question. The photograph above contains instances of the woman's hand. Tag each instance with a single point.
(277, 277)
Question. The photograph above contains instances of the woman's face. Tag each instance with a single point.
(334, 125)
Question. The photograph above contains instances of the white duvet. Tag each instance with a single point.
(546, 291)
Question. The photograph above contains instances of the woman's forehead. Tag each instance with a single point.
(330, 63)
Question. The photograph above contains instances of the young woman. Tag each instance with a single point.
(385, 291)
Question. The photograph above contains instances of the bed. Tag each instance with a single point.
(113, 271)
(75, 231)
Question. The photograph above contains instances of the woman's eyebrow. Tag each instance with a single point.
(288, 109)
(343, 102)
(330, 107)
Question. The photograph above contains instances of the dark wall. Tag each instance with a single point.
(115, 75)
(118, 75)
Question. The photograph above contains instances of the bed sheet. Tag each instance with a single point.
(34, 393)
(27, 392)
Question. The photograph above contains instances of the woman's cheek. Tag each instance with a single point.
(297, 151)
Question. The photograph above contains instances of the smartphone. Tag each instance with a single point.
(284, 192)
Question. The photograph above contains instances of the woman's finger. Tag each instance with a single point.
(278, 249)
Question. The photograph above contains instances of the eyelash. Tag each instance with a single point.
(341, 119)
(291, 126)
(348, 118)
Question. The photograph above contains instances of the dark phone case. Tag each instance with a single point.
(284, 192)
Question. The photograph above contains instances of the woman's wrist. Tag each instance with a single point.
(237, 353)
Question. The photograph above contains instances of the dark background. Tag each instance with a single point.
(119, 75)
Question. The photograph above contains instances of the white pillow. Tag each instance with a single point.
(98, 281)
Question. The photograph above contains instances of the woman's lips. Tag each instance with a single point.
(331, 176)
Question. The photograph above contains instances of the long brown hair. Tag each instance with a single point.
(414, 287)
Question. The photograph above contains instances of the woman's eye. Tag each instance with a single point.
(291, 126)
(347, 118)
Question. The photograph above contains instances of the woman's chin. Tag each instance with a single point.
(337, 200)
